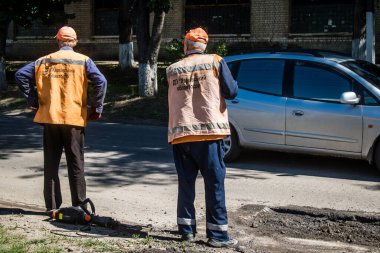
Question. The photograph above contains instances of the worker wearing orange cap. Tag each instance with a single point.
(60, 103)
(198, 122)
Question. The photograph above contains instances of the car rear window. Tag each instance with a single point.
(262, 75)
(367, 70)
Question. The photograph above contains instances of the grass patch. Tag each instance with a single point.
(47, 249)
(136, 236)
(147, 240)
(12, 99)
(98, 245)
(11, 242)
(122, 102)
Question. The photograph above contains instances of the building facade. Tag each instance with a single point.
(243, 25)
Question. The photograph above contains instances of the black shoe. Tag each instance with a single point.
(187, 238)
(230, 243)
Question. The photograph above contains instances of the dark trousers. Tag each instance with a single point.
(71, 138)
(206, 157)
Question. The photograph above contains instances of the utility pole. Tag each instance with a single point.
(370, 43)
(126, 16)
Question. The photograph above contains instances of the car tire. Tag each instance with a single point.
(231, 147)
(376, 157)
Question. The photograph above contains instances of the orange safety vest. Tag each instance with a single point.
(197, 108)
(62, 88)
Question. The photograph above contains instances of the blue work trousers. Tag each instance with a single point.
(206, 157)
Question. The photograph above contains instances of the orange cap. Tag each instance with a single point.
(66, 33)
(197, 35)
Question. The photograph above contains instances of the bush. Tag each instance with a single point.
(219, 48)
(174, 50)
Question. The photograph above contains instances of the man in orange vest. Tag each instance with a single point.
(198, 122)
(60, 102)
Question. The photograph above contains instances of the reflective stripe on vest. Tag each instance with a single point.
(198, 67)
(193, 128)
(217, 227)
(185, 221)
(60, 61)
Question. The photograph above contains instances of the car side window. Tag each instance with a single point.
(312, 81)
(261, 75)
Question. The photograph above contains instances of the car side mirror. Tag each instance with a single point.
(349, 97)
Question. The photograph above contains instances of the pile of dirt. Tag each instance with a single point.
(309, 223)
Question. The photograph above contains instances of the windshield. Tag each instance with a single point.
(367, 70)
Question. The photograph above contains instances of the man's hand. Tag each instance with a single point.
(92, 115)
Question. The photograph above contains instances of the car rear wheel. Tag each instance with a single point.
(376, 159)
(231, 147)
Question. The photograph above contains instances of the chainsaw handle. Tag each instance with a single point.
(91, 204)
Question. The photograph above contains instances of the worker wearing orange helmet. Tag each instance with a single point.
(198, 122)
(60, 102)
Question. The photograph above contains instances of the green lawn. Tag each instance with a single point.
(14, 242)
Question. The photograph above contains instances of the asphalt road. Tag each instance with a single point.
(131, 176)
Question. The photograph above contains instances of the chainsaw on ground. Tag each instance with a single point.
(80, 215)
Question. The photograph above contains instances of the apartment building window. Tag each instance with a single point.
(219, 16)
(46, 29)
(106, 13)
(322, 16)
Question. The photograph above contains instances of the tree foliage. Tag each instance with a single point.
(158, 6)
(23, 12)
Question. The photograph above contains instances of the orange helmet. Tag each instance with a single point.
(197, 35)
(66, 33)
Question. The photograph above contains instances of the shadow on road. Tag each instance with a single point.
(19, 135)
(292, 165)
(119, 154)
(92, 231)
(16, 210)
(115, 154)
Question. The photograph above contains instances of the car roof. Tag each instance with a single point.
(310, 55)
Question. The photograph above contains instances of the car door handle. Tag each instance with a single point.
(235, 101)
(298, 113)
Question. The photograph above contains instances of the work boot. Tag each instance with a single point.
(187, 238)
(230, 243)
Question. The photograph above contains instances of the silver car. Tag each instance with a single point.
(305, 101)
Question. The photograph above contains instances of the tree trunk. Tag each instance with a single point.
(3, 81)
(148, 48)
(154, 45)
(359, 48)
(147, 79)
(126, 59)
(143, 38)
(3, 41)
